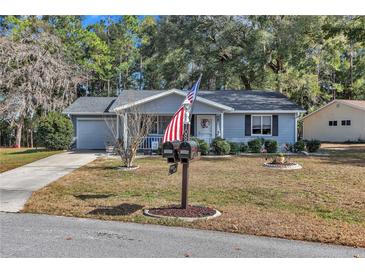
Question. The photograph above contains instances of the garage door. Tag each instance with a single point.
(92, 134)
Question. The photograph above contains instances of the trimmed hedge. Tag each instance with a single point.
(55, 131)
(299, 146)
(271, 146)
(220, 146)
(313, 145)
(235, 147)
(243, 147)
(254, 145)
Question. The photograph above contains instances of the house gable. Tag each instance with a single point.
(169, 103)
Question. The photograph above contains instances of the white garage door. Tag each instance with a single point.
(92, 134)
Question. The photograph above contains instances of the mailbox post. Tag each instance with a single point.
(188, 151)
(185, 150)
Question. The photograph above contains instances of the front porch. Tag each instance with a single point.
(203, 126)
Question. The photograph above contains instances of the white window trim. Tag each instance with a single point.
(263, 135)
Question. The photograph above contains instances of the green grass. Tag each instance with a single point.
(14, 157)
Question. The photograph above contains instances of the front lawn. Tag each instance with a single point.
(324, 201)
(14, 157)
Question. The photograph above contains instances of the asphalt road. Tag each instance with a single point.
(28, 235)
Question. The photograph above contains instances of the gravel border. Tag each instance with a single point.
(215, 156)
(283, 167)
(186, 219)
(123, 168)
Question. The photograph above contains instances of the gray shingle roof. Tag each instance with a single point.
(239, 100)
(250, 100)
(90, 105)
(130, 96)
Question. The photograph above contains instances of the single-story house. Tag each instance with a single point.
(237, 116)
(338, 121)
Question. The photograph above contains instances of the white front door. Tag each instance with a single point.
(205, 127)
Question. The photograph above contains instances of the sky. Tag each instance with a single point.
(92, 19)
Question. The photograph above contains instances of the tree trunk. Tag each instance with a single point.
(246, 82)
(31, 138)
(278, 82)
(108, 84)
(19, 127)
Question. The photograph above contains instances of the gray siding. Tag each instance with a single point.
(170, 103)
(234, 128)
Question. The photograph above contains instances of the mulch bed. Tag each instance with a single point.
(191, 211)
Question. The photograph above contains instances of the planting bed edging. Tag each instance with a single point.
(283, 167)
(186, 219)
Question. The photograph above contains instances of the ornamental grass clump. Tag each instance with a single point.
(203, 146)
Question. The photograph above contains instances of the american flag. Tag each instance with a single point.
(175, 129)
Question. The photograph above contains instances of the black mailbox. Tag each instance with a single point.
(188, 151)
(170, 151)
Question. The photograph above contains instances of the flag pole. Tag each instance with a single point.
(186, 138)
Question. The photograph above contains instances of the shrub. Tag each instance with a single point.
(254, 145)
(220, 146)
(289, 147)
(203, 146)
(235, 147)
(243, 147)
(313, 145)
(271, 146)
(299, 146)
(55, 131)
(159, 149)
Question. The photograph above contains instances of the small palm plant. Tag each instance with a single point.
(279, 159)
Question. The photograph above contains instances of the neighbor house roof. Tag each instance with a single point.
(354, 103)
(229, 100)
(358, 104)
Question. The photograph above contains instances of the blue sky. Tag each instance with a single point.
(92, 19)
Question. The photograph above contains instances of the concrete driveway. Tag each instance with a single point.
(17, 185)
(36, 235)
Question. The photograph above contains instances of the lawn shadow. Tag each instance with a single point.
(352, 157)
(28, 151)
(119, 210)
(352, 161)
(92, 196)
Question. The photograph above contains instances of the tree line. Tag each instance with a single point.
(48, 61)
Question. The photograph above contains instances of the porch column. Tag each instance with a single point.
(296, 127)
(125, 130)
(222, 124)
(117, 126)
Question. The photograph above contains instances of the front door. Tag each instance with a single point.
(205, 127)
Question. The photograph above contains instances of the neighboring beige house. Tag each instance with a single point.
(338, 121)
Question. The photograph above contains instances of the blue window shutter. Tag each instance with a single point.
(275, 125)
(247, 125)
